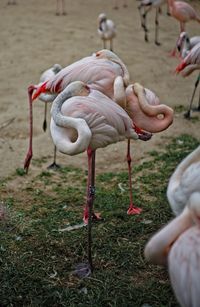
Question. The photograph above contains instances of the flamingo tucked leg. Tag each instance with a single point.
(90, 187)
(132, 208)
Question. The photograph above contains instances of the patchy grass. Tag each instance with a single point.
(37, 260)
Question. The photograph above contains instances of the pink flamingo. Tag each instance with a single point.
(189, 64)
(178, 243)
(106, 30)
(183, 12)
(116, 6)
(85, 119)
(146, 6)
(105, 72)
(60, 7)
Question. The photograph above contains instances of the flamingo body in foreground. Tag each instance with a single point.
(106, 30)
(86, 119)
(190, 63)
(177, 243)
(105, 71)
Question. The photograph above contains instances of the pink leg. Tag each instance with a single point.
(57, 7)
(132, 208)
(30, 151)
(90, 188)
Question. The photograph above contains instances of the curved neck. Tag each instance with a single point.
(84, 134)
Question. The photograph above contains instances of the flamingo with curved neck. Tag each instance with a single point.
(86, 119)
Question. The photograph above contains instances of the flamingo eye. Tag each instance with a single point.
(97, 54)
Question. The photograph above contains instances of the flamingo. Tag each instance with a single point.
(46, 98)
(106, 30)
(189, 64)
(60, 7)
(85, 119)
(116, 6)
(177, 243)
(146, 6)
(104, 71)
(183, 12)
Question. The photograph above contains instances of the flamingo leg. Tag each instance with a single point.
(111, 45)
(132, 208)
(90, 187)
(187, 114)
(57, 7)
(63, 7)
(30, 149)
(54, 165)
(44, 126)
(157, 27)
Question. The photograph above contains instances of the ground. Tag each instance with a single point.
(33, 38)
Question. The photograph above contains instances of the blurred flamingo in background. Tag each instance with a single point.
(144, 8)
(183, 12)
(178, 243)
(189, 64)
(85, 119)
(116, 5)
(60, 7)
(106, 30)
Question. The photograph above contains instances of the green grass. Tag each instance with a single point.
(37, 260)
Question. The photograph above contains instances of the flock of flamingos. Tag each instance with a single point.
(94, 105)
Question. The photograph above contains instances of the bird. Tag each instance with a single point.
(116, 6)
(105, 71)
(83, 119)
(46, 98)
(60, 7)
(106, 30)
(186, 43)
(144, 8)
(183, 12)
(188, 64)
(177, 244)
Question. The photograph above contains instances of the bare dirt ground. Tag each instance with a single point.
(33, 38)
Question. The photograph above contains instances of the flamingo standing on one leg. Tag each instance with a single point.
(183, 12)
(106, 72)
(116, 6)
(146, 6)
(85, 119)
(178, 243)
(60, 7)
(189, 64)
(106, 30)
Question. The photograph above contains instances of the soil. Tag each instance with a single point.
(33, 38)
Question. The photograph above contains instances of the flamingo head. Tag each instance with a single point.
(194, 206)
(102, 18)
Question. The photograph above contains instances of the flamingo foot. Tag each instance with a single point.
(27, 161)
(95, 217)
(133, 210)
(54, 166)
(83, 270)
(187, 114)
